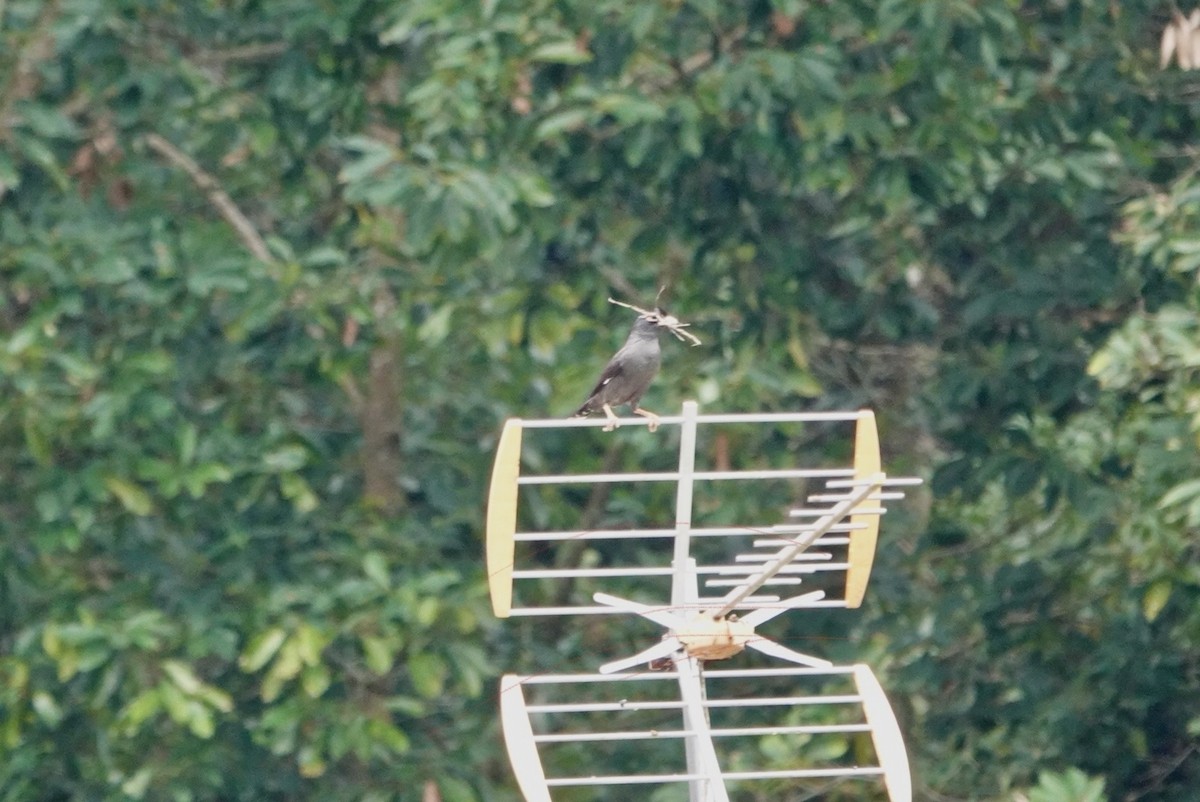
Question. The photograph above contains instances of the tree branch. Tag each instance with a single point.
(250, 52)
(380, 412)
(217, 196)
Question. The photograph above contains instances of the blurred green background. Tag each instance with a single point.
(272, 274)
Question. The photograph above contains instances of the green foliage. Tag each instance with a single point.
(250, 380)
(1069, 786)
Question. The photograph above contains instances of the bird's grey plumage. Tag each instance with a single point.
(628, 374)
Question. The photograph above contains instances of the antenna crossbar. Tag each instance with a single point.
(674, 476)
(717, 732)
(721, 570)
(650, 779)
(669, 420)
(699, 531)
(635, 706)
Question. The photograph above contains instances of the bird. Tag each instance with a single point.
(628, 374)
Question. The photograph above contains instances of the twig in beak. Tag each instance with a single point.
(669, 322)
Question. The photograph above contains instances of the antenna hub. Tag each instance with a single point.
(708, 638)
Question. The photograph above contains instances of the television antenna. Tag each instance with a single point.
(710, 611)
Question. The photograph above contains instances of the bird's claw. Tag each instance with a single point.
(651, 419)
(612, 419)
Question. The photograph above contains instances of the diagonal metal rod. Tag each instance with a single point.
(823, 525)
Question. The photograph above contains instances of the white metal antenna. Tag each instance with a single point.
(709, 610)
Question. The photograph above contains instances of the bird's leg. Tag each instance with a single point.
(653, 426)
(612, 419)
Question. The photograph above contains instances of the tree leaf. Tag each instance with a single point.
(1155, 599)
(428, 674)
(564, 52)
(375, 567)
(378, 654)
(261, 649)
(182, 676)
(132, 498)
(46, 708)
(561, 122)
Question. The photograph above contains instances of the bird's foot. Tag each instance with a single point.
(612, 419)
(652, 425)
